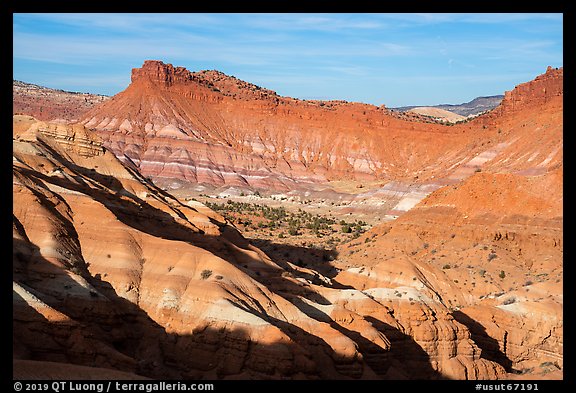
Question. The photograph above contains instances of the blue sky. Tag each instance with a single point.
(390, 59)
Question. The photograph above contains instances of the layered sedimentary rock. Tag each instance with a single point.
(207, 127)
(113, 273)
(488, 249)
(543, 89)
(89, 291)
(49, 104)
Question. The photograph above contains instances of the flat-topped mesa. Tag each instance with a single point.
(217, 83)
(536, 92)
(159, 72)
(231, 86)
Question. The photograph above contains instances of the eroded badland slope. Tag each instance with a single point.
(112, 272)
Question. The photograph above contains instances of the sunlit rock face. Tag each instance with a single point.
(113, 274)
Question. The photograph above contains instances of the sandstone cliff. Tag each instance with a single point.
(543, 89)
(207, 127)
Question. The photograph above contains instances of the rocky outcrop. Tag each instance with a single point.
(536, 92)
(489, 261)
(73, 138)
(50, 104)
(160, 73)
(511, 333)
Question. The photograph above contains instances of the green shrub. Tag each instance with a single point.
(205, 274)
(293, 231)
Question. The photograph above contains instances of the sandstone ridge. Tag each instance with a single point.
(51, 104)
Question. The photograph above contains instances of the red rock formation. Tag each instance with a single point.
(488, 249)
(207, 127)
(172, 291)
(50, 104)
(539, 91)
(89, 294)
(442, 292)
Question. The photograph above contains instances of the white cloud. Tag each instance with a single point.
(341, 23)
(129, 23)
(287, 50)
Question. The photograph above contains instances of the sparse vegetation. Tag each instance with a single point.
(261, 222)
(550, 364)
(447, 266)
(491, 256)
(502, 274)
(292, 231)
(205, 274)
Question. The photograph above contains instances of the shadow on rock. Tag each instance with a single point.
(490, 347)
